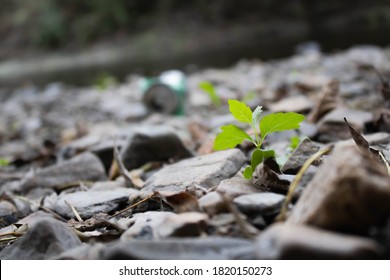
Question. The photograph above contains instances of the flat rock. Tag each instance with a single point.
(300, 155)
(202, 171)
(350, 192)
(209, 248)
(283, 241)
(152, 143)
(157, 225)
(333, 125)
(237, 186)
(88, 203)
(297, 103)
(47, 239)
(84, 167)
(257, 204)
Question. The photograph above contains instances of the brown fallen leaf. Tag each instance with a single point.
(360, 141)
(328, 100)
(180, 202)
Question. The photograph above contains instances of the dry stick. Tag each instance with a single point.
(244, 226)
(297, 179)
(385, 161)
(122, 169)
(134, 205)
(76, 214)
(41, 207)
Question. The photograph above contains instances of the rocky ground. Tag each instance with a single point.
(90, 173)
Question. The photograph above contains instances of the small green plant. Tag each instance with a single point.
(210, 90)
(4, 162)
(232, 135)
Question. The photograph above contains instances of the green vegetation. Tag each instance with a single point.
(4, 162)
(210, 90)
(232, 135)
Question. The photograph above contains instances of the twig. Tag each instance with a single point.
(385, 161)
(76, 214)
(122, 169)
(247, 229)
(135, 204)
(297, 179)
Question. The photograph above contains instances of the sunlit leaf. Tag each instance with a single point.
(230, 137)
(248, 172)
(240, 111)
(279, 122)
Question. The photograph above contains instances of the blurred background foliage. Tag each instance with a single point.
(67, 23)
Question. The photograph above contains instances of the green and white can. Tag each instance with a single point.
(165, 93)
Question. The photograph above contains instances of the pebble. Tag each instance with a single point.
(266, 203)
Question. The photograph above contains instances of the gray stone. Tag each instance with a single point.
(350, 192)
(152, 143)
(266, 203)
(47, 239)
(208, 248)
(212, 203)
(297, 103)
(8, 213)
(156, 225)
(301, 154)
(283, 241)
(333, 125)
(85, 167)
(88, 203)
(237, 186)
(202, 171)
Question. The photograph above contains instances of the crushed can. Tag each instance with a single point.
(166, 93)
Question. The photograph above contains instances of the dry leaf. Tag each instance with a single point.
(329, 99)
(180, 202)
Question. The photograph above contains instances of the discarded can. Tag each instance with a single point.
(165, 93)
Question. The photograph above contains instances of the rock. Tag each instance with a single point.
(156, 225)
(152, 143)
(8, 213)
(85, 167)
(212, 204)
(145, 225)
(297, 103)
(283, 241)
(88, 203)
(208, 248)
(333, 125)
(350, 192)
(301, 154)
(183, 225)
(202, 171)
(47, 239)
(30, 220)
(265, 204)
(236, 186)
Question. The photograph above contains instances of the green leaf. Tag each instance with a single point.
(210, 90)
(280, 122)
(248, 172)
(256, 115)
(240, 111)
(4, 162)
(230, 137)
(259, 155)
